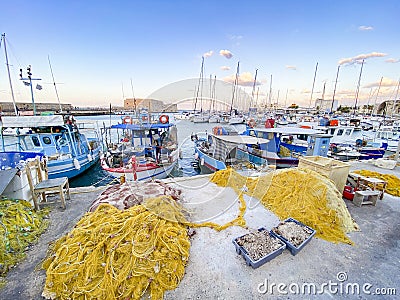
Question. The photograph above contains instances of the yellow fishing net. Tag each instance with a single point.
(393, 182)
(301, 194)
(20, 226)
(114, 254)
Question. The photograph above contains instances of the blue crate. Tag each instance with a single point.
(262, 260)
(292, 248)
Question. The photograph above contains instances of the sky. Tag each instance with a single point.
(104, 51)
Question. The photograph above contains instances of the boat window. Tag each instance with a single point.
(252, 133)
(260, 134)
(348, 131)
(35, 141)
(46, 140)
(340, 132)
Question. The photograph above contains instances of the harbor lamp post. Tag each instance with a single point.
(39, 87)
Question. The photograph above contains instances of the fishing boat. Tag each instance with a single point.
(140, 150)
(67, 150)
(286, 145)
(221, 149)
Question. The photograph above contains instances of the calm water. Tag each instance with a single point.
(96, 176)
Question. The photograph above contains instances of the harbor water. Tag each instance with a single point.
(97, 177)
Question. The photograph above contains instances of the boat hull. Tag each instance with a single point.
(152, 171)
(68, 168)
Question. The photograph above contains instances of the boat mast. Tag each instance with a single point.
(3, 38)
(395, 98)
(54, 83)
(377, 93)
(270, 94)
(234, 87)
(358, 88)
(200, 86)
(334, 89)
(254, 88)
(312, 90)
(134, 99)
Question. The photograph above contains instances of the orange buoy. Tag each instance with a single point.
(127, 120)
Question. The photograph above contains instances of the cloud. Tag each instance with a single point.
(208, 54)
(291, 67)
(392, 60)
(244, 79)
(226, 53)
(225, 68)
(360, 57)
(235, 37)
(385, 82)
(365, 28)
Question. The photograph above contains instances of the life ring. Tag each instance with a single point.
(251, 123)
(127, 120)
(164, 119)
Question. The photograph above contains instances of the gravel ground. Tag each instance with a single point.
(215, 271)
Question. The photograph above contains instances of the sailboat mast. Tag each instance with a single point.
(334, 89)
(234, 87)
(254, 88)
(270, 93)
(3, 37)
(54, 83)
(377, 93)
(358, 88)
(312, 90)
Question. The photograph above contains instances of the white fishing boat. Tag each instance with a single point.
(140, 151)
(68, 151)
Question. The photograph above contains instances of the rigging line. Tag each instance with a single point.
(358, 87)
(234, 87)
(3, 38)
(54, 83)
(312, 90)
(334, 89)
(133, 95)
(254, 87)
(376, 98)
(198, 87)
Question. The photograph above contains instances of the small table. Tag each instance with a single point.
(363, 183)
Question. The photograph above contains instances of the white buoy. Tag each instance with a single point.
(77, 164)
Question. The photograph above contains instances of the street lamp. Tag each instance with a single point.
(39, 87)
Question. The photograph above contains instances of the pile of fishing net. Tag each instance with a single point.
(124, 253)
(120, 254)
(298, 193)
(128, 194)
(20, 226)
(393, 182)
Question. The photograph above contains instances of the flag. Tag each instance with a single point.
(27, 83)
(38, 87)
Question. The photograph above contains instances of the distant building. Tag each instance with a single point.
(151, 105)
(388, 108)
(24, 108)
(326, 105)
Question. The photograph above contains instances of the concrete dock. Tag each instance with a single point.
(215, 271)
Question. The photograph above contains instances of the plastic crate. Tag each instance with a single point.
(292, 248)
(262, 260)
(334, 169)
